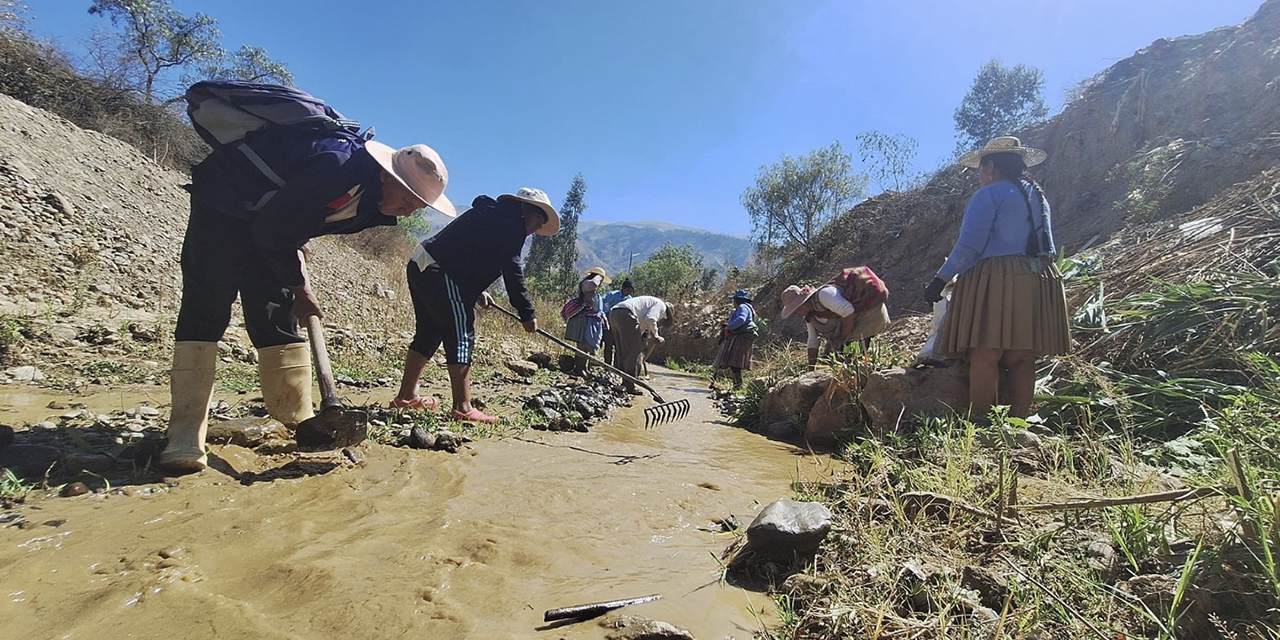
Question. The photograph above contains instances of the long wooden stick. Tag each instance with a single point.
(1164, 496)
(594, 609)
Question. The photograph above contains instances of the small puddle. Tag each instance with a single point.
(412, 543)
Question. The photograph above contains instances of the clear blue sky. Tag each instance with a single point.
(668, 108)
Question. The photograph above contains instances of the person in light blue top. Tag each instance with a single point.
(1008, 307)
(738, 337)
(621, 295)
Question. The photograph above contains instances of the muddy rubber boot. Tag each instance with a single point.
(285, 374)
(191, 389)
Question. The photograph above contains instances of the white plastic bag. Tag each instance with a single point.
(929, 355)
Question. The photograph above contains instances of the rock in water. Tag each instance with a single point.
(788, 529)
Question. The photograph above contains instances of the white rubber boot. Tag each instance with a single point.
(191, 389)
(285, 374)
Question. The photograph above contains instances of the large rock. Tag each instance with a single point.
(792, 399)
(246, 432)
(29, 460)
(522, 368)
(834, 413)
(641, 628)
(895, 394)
(787, 529)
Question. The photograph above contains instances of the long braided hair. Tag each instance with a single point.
(1012, 168)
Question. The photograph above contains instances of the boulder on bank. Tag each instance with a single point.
(834, 413)
(895, 394)
(788, 529)
(790, 401)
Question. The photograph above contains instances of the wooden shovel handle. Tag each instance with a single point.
(324, 372)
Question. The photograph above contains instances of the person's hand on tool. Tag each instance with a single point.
(305, 303)
(485, 300)
(530, 325)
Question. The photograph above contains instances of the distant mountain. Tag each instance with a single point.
(612, 244)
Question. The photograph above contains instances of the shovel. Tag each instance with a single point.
(662, 412)
(335, 426)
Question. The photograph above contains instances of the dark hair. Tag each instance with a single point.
(1012, 168)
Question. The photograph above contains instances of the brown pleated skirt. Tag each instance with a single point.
(735, 351)
(1003, 303)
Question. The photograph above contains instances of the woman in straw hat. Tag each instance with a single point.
(1008, 307)
(738, 337)
(583, 315)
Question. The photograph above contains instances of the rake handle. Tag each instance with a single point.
(625, 376)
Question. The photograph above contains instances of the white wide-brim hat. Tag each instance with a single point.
(1004, 144)
(538, 198)
(420, 169)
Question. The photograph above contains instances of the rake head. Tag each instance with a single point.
(665, 412)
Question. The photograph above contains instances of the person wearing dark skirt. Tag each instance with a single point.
(738, 337)
(1009, 307)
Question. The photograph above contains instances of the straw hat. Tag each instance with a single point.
(794, 296)
(1004, 144)
(538, 198)
(598, 271)
(741, 294)
(420, 169)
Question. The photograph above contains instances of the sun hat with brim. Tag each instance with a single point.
(740, 294)
(794, 296)
(598, 271)
(420, 169)
(538, 198)
(1004, 144)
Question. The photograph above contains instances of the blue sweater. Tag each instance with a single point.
(996, 224)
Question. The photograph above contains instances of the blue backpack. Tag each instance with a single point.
(225, 112)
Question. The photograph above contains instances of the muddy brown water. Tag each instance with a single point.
(411, 544)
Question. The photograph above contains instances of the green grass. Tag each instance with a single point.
(12, 488)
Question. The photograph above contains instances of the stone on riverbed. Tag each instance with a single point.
(247, 432)
(787, 529)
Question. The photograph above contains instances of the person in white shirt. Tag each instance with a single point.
(828, 315)
(630, 319)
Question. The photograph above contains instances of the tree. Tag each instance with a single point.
(889, 158)
(1000, 102)
(248, 64)
(159, 38)
(575, 202)
(552, 259)
(796, 197)
(670, 273)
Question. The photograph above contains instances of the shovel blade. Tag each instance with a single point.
(332, 428)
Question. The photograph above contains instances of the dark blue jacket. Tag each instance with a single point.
(319, 174)
(482, 244)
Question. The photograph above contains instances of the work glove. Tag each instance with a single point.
(933, 290)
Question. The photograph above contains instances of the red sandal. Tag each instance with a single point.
(427, 403)
(474, 415)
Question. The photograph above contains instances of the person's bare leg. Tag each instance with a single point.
(984, 380)
(460, 384)
(1022, 381)
(414, 363)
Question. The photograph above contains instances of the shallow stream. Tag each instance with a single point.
(410, 544)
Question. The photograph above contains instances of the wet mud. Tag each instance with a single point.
(407, 543)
